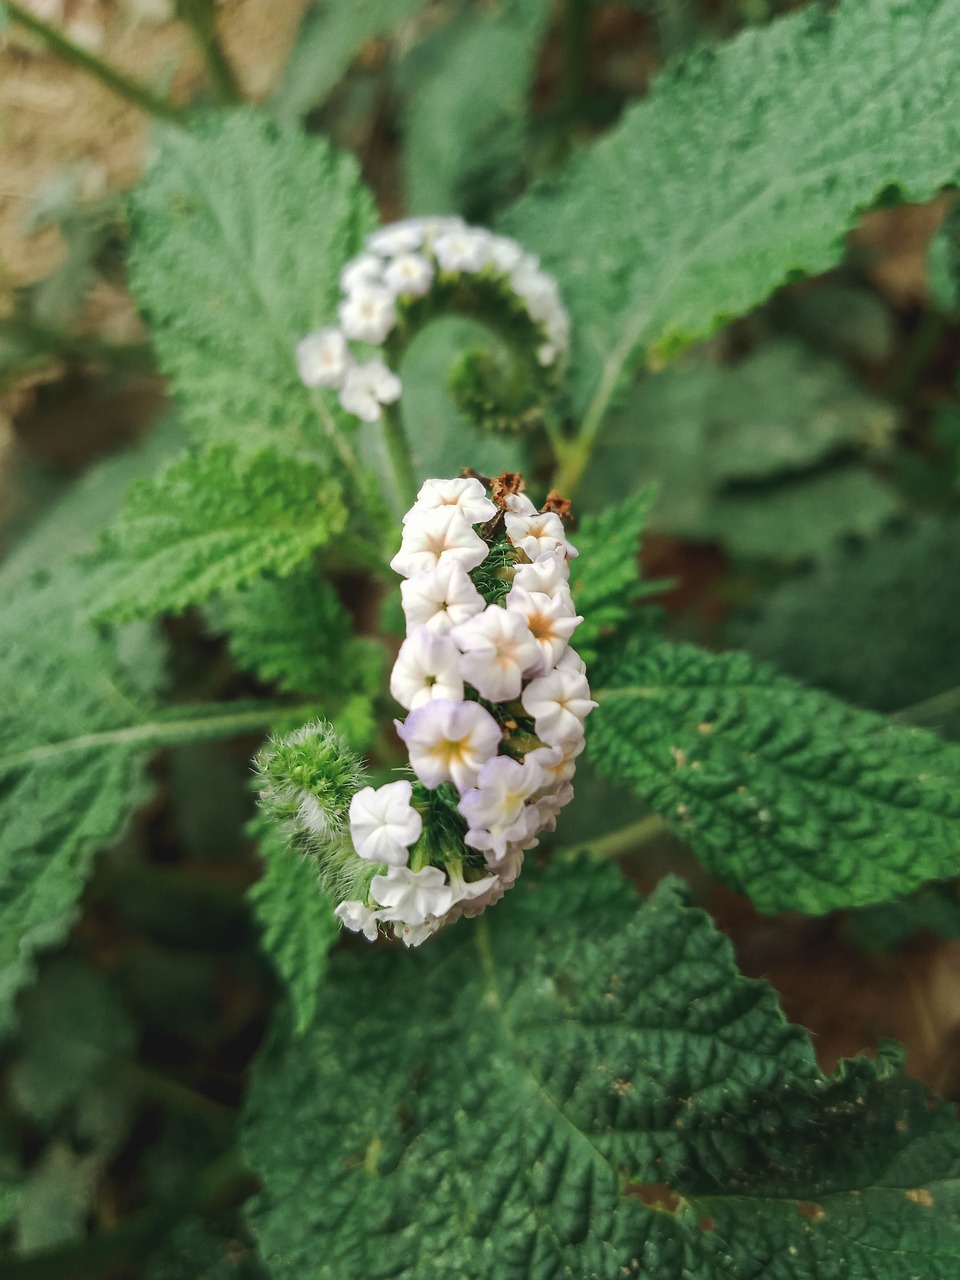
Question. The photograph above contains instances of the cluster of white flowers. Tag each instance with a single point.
(400, 264)
(496, 700)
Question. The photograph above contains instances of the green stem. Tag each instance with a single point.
(398, 448)
(122, 85)
(199, 17)
(935, 708)
(625, 840)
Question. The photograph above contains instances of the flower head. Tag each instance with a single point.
(450, 741)
(383, 823)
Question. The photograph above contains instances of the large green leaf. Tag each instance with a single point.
(239, 235)
(592, 1090)
(212, 522)
(744, 168)
(798, 799)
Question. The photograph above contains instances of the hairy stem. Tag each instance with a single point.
(116, 81)
(199, 17)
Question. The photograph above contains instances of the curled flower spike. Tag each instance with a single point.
(403, 263)
(496, 701)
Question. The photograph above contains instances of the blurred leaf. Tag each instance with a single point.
(195, 1251)
(743, 168)
(786, 794)
(888, 925)
(57, 1198)
(297, 921)
(708, 435)
(331, 35)
(878, 622)
(591, 1090)
(211, 522)
(843, 320)
(467, 91)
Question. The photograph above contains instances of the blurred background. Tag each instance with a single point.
(807, 459)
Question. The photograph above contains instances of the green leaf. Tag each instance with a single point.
(743, 169)
(740, 452)
(592, 1090)
(605, 578)
(296, 919)
(294, 632)
(467, 94)
(878, 623)
(211, 522)
(330, 37)
(239, 236)
(793, 797)
(934, 910)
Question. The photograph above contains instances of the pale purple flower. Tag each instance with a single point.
(495, 808)
(438, 537)
(384, 824)
(441, 598)
(450, 740)
(549, 806)
(427, 667)
(559, 703)
(498, 651)
(556, 764)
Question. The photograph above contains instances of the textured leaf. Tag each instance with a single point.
(799, 800)
(239, 235)
(743, 168)
(605, 577)
(297, 923)
(877, 623)
(330, 36)
(211, 522)
(295, 632)
(592, 1091)
(466, 115)
(716, 439)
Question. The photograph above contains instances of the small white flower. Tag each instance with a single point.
(465, 891)
(409, 276)
(367, 313)
(438, 537)
(384, 824)
(495, 808)
(556, 764)
(396, 237)
(450, 740)
(570, 660)
(546, 354)
(359, 918)
(323, 358)
(549, 574)
(441, 598)
(536, 289)
(466, 249)
(505, 254)
(538, 535)
(519, 504)
(468, 494)
(361, 272)
(366, 387)
(559, 703)
(427, 667)
(414, 935)
(550, 618)
(410, 897)
(498, 651)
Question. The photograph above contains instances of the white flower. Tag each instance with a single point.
(559, 703)
(468, 494)
(556, 764)
(366, 387)
(550, 618)
(360, 918)
(361, 272)
(440, 598)
(495, 808)
(438, 537)
(409, 276)
(546, 354)
(466, 249)
(510, 866)
(411, 896)
(383, 823)
(505, 254)
(396, 237)
(427, 667)
(323, 358)
(414, 935)
(549, 574)
(538, 535)
(469, 890)
(519, 504)
(498, 651)
(367, 313)
(450, 740)
(570, 660)
(536, 289)
(498, 841)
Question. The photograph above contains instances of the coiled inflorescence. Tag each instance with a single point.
(496, 699)
(406, 267)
